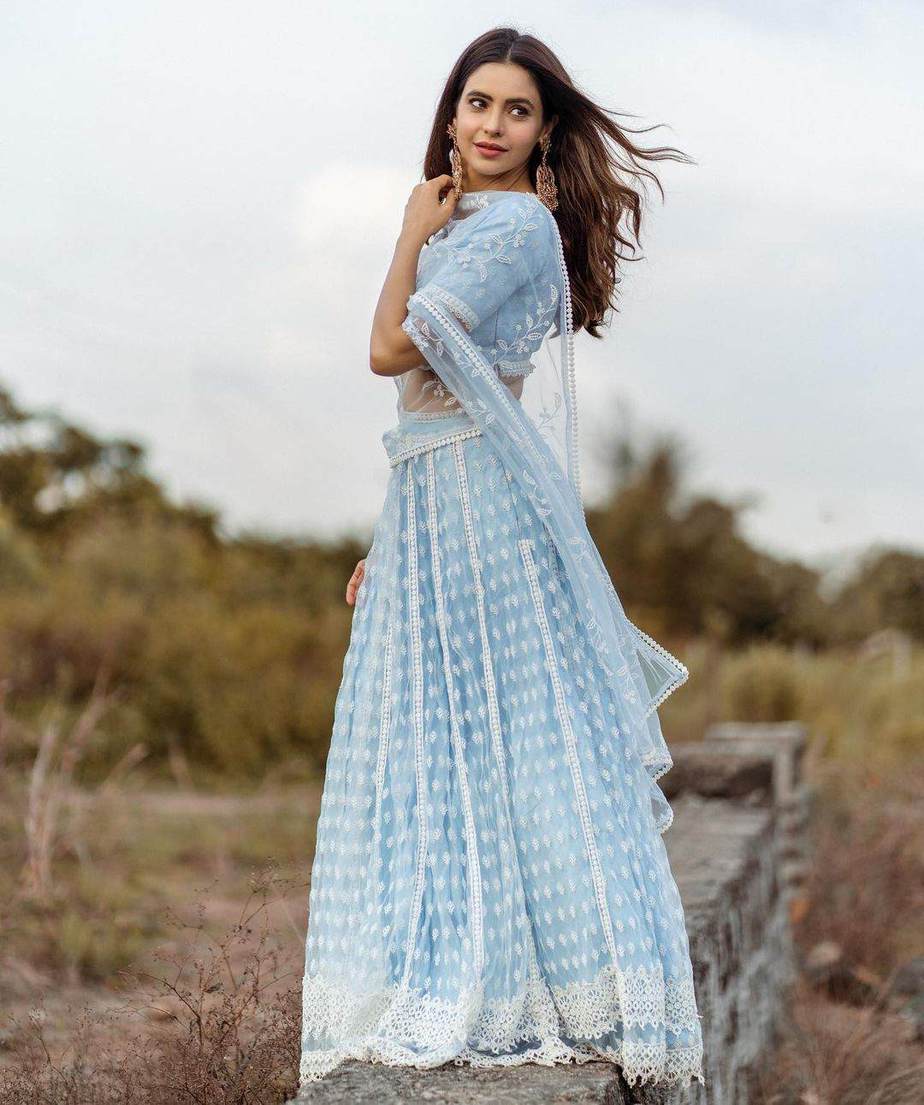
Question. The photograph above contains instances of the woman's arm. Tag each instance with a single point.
(391, 351)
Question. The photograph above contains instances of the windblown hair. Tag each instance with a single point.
(594, 178)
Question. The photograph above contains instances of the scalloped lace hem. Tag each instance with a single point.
(544, 1024)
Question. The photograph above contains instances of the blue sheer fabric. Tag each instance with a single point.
(490, 883)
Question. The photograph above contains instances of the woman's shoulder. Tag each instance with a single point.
(513, 217)
(511, 235)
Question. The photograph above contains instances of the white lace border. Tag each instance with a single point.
(395, 459)
(368, 1026)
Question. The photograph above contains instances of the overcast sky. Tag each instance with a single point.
(199, 202)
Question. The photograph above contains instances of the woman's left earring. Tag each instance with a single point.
(546, 189)
(455, 161)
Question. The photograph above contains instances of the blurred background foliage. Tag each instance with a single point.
(227, 650)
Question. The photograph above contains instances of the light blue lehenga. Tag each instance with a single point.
(490, 883)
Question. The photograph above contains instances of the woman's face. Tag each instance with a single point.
(500, 106)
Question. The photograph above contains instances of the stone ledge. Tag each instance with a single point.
(356, 1083)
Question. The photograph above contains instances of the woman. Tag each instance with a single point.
(490, 885)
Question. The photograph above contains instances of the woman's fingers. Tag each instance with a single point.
(356, 579)
(424, 212)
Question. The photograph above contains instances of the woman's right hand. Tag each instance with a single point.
(359, 574)
(424, 214)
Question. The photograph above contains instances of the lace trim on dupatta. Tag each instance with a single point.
(570, 381)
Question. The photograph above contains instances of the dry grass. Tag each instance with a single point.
(217, 1023)
(111, 991)
(866, 886)
(847, 1040)
(836, 1054)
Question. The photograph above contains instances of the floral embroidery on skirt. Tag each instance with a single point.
(489, 885)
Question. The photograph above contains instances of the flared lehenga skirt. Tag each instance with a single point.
(489, 885)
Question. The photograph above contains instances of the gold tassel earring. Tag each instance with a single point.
(455, 161)
(546, 189)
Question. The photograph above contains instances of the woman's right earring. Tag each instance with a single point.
(455, 161)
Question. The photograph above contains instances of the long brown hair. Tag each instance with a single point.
(593, 197)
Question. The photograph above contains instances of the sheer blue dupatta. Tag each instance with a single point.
(491, 315)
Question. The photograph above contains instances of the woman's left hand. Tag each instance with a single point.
(359, 574)
(424, 214)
